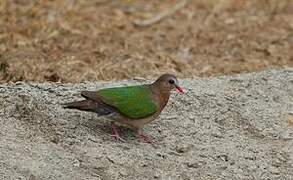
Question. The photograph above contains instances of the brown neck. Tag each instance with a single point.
(160, 95)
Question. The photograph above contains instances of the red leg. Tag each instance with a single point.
(143, 138)
(115, 132)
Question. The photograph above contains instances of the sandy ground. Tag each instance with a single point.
(236, 127)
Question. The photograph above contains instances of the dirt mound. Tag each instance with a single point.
(237, 127)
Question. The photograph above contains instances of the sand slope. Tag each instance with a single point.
(235, 127)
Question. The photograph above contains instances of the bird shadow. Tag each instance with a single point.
(102, 127)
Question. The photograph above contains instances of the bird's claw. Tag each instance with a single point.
(116, 133)
(145, 139)
(118, 138)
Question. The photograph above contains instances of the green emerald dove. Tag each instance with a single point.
(134, 106)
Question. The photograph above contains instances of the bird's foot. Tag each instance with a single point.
(115, 133)
(145, 139)
(118, 138)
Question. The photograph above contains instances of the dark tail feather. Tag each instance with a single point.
(88, 105)
(81, 105)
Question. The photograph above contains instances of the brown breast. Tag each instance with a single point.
(161, 99)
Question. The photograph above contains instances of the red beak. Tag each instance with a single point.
(179, 89)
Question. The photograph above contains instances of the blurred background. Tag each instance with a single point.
(80, 40)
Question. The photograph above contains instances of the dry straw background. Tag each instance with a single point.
(74, 41)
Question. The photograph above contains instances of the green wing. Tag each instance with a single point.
(133, 101)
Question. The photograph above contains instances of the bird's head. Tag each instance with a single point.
(168, 82)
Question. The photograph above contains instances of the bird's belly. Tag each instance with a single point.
(135, 123)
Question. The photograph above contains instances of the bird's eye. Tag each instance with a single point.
(171, 81)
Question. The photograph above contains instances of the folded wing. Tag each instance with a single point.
(133, 101)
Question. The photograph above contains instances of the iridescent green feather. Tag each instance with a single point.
(133, 101)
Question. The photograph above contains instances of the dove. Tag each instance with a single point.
(134, 106)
